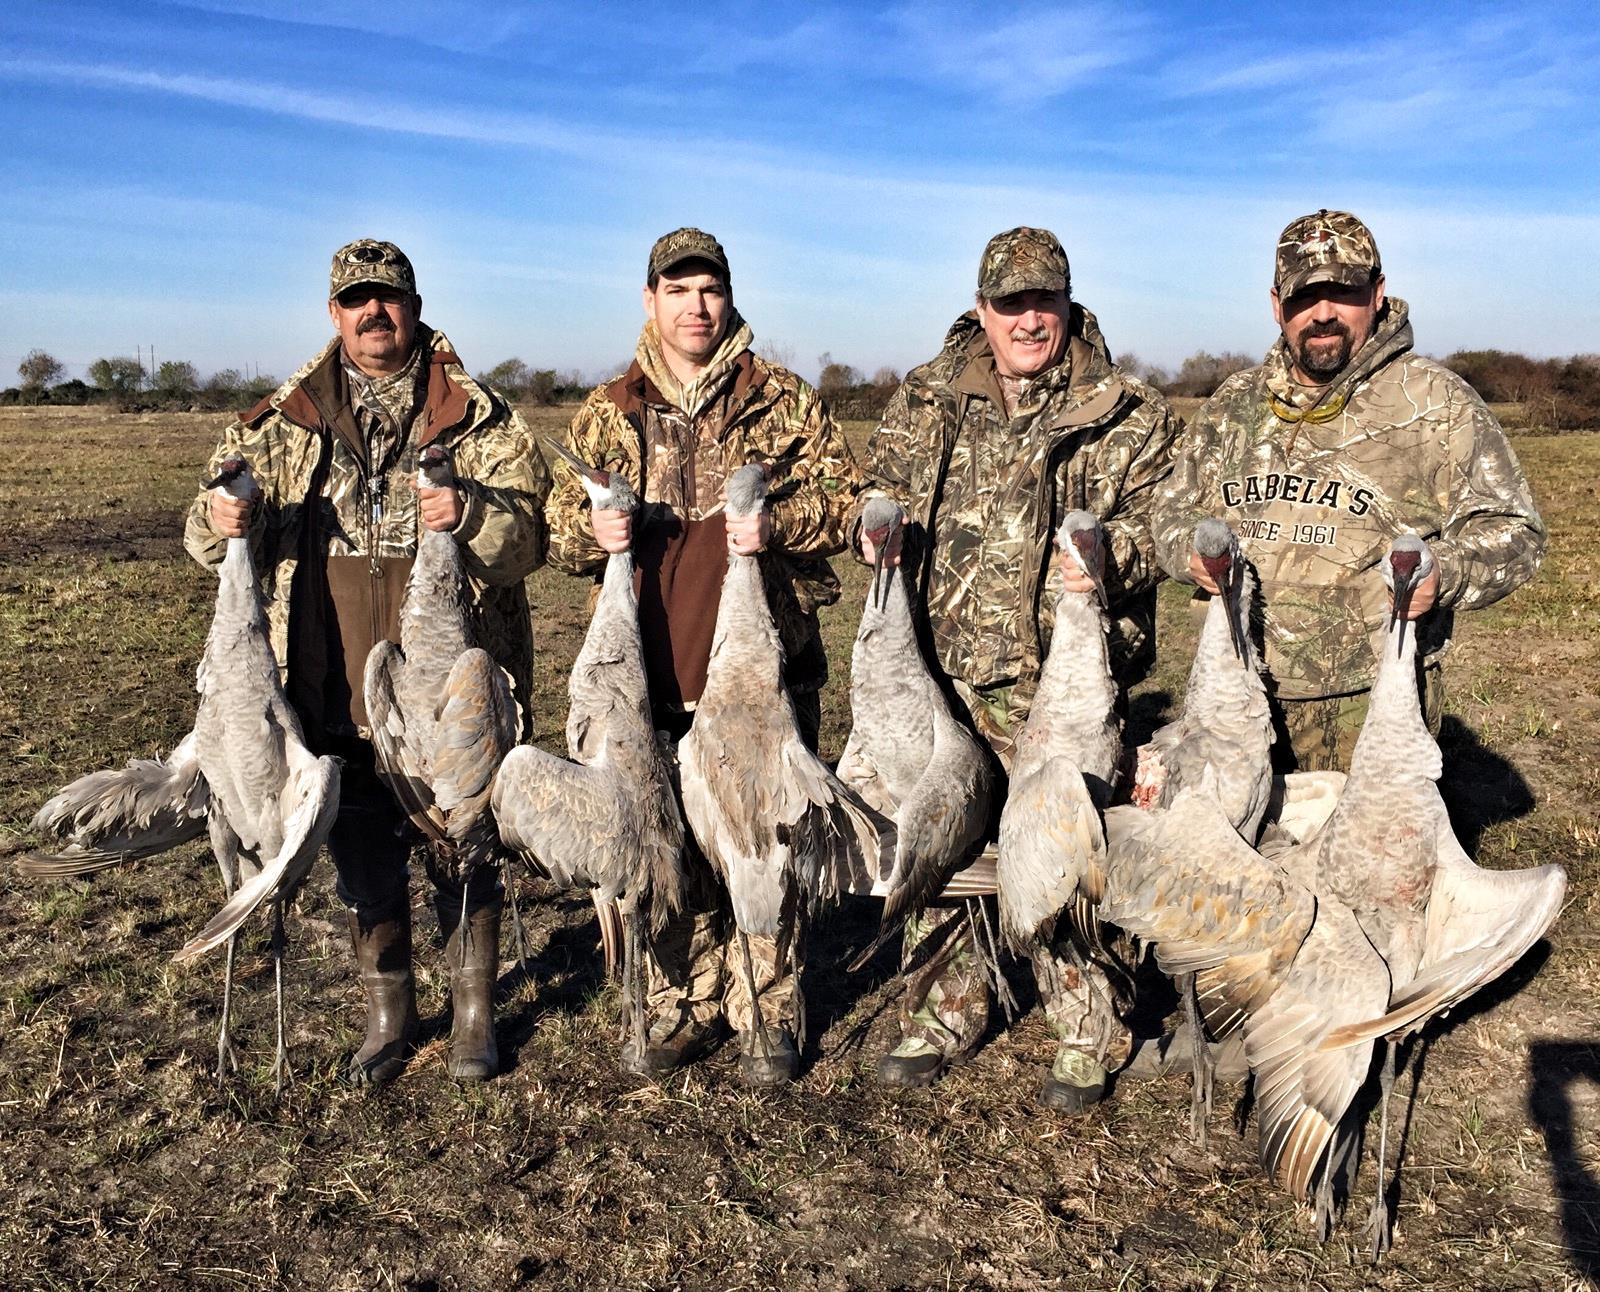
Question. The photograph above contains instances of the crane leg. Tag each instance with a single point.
(1200, 1101)
(227, 1060)
(633, 971)
(280, 1064)
(518, 942)
(755, 1002)
(1379, 1222)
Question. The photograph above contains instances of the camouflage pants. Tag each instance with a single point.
(697, 968)
(1320, 735)
(946, 1003)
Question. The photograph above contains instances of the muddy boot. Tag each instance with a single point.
(472, 950)
(1074, 1083)
(382, 941)
(761, 1067)
(673, 1041)
(945, 1010)
(1174, 1053)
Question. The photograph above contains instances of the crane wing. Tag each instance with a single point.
(108, 817)
(940, 821)
(398, 760)
(477, 728)
(1306, 1077)
(1478, 924)
(563, 817)
(837, 842)
(1052, 849)
(1184, 880)
(307, 805)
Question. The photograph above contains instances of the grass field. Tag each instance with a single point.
(125, 1164)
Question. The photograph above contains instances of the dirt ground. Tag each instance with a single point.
(126, 1163)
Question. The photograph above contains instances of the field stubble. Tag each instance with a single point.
(127, 1164)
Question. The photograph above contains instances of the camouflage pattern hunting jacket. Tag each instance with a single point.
(309, 458)
(984, 494)
(679, 466)
(1318, 482)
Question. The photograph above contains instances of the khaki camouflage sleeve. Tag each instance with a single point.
(201, 541)
(1186, 496)
(503, 482)
(572, 546)
(1492, 538)
(1133, 548)
(819, 487)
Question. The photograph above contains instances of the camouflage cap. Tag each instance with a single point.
(366, 260)
(1020, 260)
(686, 244)
(1325, 247)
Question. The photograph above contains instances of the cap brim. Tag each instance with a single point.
(1344, 275)
(694, 255)
(1014, 283)
(370, 282)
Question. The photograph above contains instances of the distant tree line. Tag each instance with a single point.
(130, 384)
(1554, 394)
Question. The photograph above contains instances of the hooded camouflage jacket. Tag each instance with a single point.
(991, 490)
(302, 442)
(1397, 444)
(679, 465)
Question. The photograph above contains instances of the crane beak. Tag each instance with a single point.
(1224, 570)
(882, 571)
(572, 459)
(1406, 569)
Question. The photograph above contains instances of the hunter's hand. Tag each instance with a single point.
(1073, 577)
(439, 509)
(1423, 598)
(891, 556)
(230, 517)
(747, 535)
(1197, 572)
(613, 530)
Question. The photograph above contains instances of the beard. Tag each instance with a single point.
(1324, 362)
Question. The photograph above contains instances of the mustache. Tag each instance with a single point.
(1332, 327)
(377, 323)
(1030, 334)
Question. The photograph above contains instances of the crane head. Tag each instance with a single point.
(881, 522)
(433, 468)
(747, 489)
(234, 478)
(1082, 541)
(1218, 548)
(607, 490)
(1406, 564)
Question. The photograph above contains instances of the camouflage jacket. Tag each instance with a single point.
(679, 465)
(309, 458)
(1402, 445)
(991, 491)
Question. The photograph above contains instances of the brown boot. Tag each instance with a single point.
(474, 962)
(382, 941)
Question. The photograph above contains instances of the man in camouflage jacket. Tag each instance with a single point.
(1340, 441)
(334, 531)
(1021, 418)
(695, 405)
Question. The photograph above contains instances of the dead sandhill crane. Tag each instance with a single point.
(1222, 738)
(1051, 841)
(441, 710)
(1376, 925)
(907, 756)
(1225, 724)
(783, 832)
(1443, 926)
(608, 820)
(269, 803)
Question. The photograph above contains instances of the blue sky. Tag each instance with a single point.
(179, 174)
